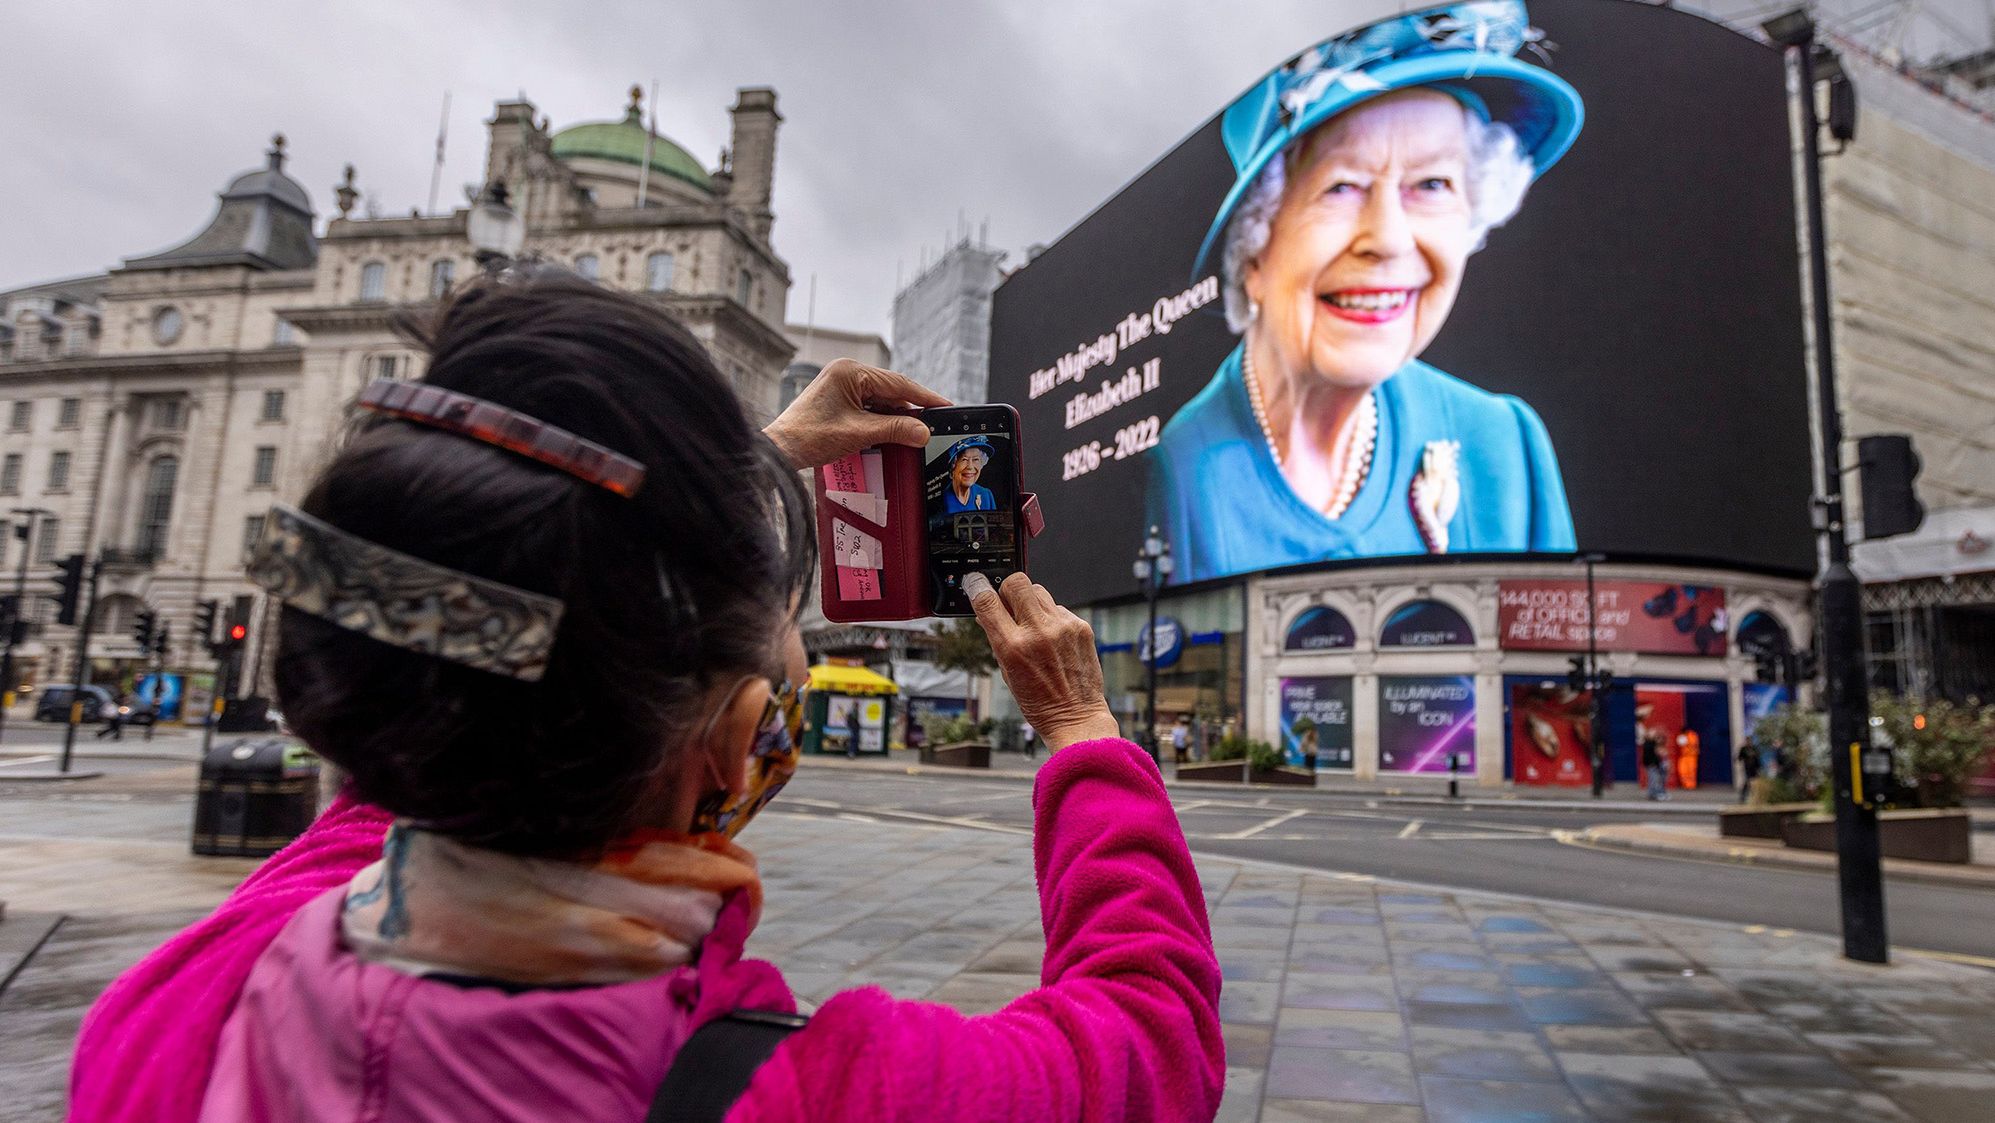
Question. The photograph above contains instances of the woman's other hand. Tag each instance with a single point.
(832, 417)
(1048, 657)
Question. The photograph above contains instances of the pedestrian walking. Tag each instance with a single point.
(1749, 763)
(852, 730)
(114, 719)
(1030, 737)
(1653, 767)
(528, 902)
(1180, 739)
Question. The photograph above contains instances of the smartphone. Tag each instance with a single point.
(971, 482)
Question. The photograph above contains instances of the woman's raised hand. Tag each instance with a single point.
(1048, 657)
(832, 418)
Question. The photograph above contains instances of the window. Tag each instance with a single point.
(167, 324)
(441, 275)
(70, 414)
(373, 281)
(588, 267)
(658, 272)
(283, 335)
(1426, 623)
(742, 285)
(265, 472)
(252, 533)
(156, 506)
(385, 366)
(58, 471)
(23, 415)
(49, 536)
(10, 474)
(273, 405)
(167, 413)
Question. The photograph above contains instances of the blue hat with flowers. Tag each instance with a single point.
(1469, 50)
(968, 443)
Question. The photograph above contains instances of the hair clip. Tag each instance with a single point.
(392, 597)
(494, 424)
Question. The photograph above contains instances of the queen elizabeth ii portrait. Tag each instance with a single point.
(1369, 171)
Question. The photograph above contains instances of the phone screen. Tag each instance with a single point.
(970, 482)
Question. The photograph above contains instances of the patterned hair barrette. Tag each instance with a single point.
(389, 596)
(506, 428)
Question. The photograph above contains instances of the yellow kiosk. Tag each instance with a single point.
(848, 701)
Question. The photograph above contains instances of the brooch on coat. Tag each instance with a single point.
(1437, 492)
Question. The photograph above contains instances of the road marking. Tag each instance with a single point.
(27, 760)
(851, 818)
(1410, 829)
(1950, 956)
(1259, 827)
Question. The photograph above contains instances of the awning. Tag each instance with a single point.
(838, 679)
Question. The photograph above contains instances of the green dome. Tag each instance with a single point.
(623, 142)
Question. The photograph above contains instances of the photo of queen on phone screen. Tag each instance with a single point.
(970, 485)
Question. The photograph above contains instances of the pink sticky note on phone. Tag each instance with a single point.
(845, 474)
(858, 584)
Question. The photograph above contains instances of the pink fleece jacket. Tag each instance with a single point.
(261, 1014)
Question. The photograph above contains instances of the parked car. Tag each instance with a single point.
(53, 699)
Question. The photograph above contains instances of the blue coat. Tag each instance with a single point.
(1225, 508)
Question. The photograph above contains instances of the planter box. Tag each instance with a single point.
(1760, 821)
(1222, 772)
(1923, 835)
(1292, 776)
(963, 754)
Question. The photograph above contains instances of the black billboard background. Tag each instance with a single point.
(1645, 302)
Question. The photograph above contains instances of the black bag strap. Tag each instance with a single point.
(716, 1063)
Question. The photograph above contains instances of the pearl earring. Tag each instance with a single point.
(1253, 310)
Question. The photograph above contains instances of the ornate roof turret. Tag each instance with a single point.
(265, 222)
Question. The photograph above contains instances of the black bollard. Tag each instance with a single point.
(1454, 775)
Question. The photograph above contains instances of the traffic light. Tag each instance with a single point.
(143, 625)
(163, 640)
(69, 583)
(1888, 469)
(204, 623)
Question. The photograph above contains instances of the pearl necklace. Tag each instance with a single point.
(1364, 440)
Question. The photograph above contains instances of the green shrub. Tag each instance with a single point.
(943, 729)
(1263, 757)
(1937, 747)
(1230, 748)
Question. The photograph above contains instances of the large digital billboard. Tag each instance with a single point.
(1467, 280)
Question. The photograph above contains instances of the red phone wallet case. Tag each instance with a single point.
(872, 535)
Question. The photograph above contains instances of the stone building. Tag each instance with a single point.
(153, 413)
(942, 322)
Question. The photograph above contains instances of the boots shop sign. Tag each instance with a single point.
(1643, 616)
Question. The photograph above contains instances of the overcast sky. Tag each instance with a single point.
(123, 120)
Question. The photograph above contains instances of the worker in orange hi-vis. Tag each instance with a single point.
(1686, 758)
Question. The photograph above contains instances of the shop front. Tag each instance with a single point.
(1199, 648)
(850, 709)
(1415, 671)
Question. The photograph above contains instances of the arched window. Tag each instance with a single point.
(1760, 635)
(1321, 628)
(1426, 623)
(156, 505)
(658, 272)
(442, 274)
(373, 281)
(589, 267)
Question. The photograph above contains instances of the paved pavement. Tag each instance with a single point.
(1347, 996)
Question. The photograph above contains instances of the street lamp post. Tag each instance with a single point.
(1840, 595)
(1153, 568)
(17, 625)
(1596, 683)
(495, 230)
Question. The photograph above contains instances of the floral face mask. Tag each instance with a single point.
(772, 760)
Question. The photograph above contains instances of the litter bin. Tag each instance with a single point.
(255, 796)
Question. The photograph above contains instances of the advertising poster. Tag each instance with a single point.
(1690, 722)
(164, 692)
(1646, 616)
(1317, 710)
(872, 715)
(1423, 719)
(1284, 345)
(1551, 735)
(1320, 628)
